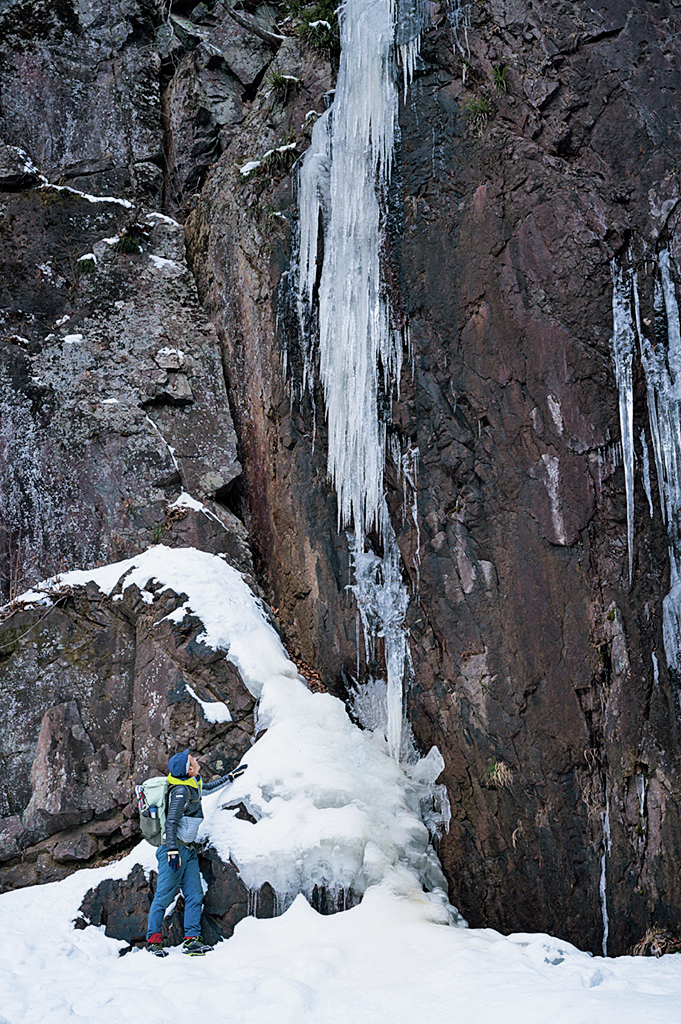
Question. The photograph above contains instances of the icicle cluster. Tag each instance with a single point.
(342, 185)
(661, 362)
(343, 176)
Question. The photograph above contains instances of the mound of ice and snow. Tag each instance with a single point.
(331, 805)
(382, 961)
(332, 808)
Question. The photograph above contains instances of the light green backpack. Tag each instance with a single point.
(151, 801)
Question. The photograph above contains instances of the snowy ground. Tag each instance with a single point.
(332, 805)
(383, 961)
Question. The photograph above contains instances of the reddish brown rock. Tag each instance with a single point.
(531, 650)
(94, 704)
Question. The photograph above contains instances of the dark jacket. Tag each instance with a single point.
(184, 812)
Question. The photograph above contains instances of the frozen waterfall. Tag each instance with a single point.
(661, 361)
(343, 183)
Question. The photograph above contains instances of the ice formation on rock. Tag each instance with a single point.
(603, 885)
(332, 808)
(661, 361)
(343, 183)
(623, 352)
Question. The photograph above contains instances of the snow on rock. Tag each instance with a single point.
(332, 807)
(248, 167)
(163, 264)
(232, 615)
(213, 710)
(186, 500)
(86, 195)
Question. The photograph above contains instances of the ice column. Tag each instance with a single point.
(661, 362)
(623, 351)
(343, 183)
(603, 886)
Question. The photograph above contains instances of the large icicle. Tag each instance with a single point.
(661, 362)
(347, 168)
(623, 338)
(343, 182)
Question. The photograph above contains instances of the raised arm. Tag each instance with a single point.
(210, 787)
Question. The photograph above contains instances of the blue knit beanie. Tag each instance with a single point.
(178, 765)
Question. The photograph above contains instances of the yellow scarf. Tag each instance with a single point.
(185, 782)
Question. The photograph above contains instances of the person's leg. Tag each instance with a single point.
(192, 890)
(167, 885)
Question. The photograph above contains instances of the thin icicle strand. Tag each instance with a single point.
(603, 886)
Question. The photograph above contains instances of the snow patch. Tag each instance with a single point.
(389, 959)
(214, 710)
(161, 263)
(248, 167)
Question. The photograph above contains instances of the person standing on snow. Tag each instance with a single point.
(178, 859)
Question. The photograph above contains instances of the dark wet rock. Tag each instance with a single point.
(81, 91)
(113, 399)
(95, 702)
(11, 829)
(203, 106)
(16, 170)
(122, 905)
(218, 66)
(59, 774)
(292, 527)
(530, 647)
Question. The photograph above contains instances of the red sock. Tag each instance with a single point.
(156, 937)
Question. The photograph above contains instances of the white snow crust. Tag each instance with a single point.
(384, 962)
(331, 806)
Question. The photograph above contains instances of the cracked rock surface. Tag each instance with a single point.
(94, 694)
(113, 399)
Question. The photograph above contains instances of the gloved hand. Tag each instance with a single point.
(174, 860)
(236, 772)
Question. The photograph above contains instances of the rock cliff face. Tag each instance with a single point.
(534, 650)
(535, 149)
(539, 143)
(95, 694)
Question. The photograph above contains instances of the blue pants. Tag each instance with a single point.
(188, 879)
